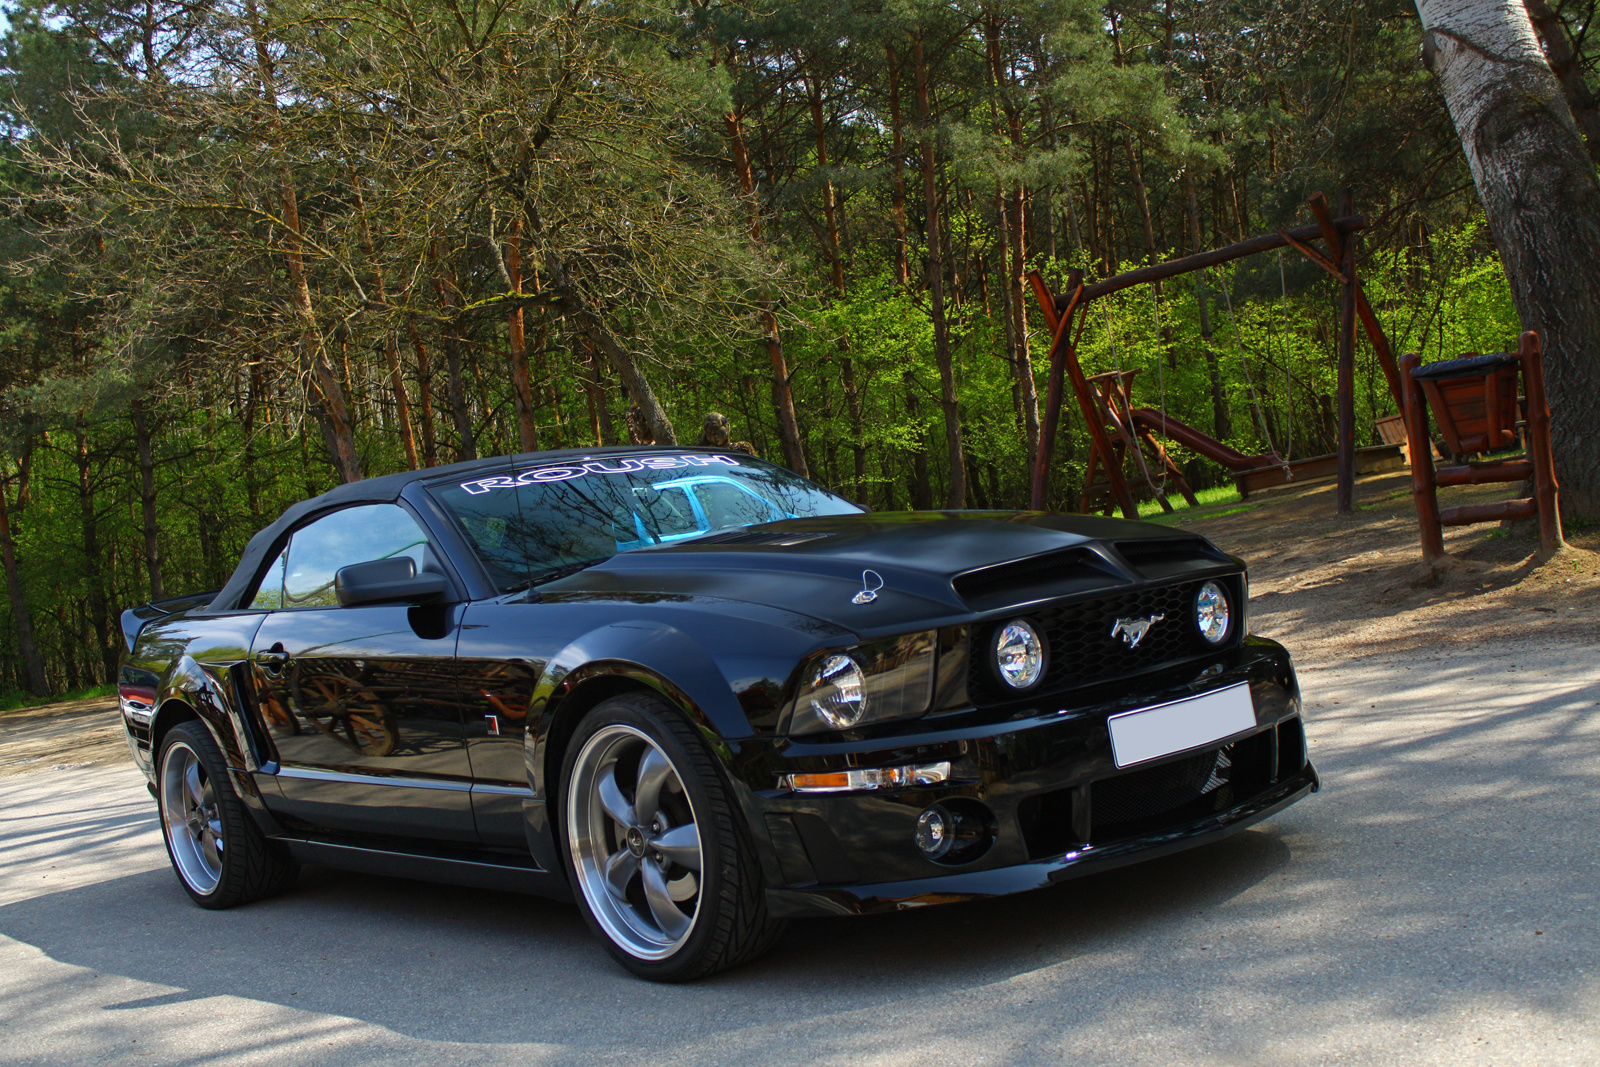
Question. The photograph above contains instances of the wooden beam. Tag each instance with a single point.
(1499, 511)
(1201, 260)
(1332, 232)
(1511, 470)
(1313, 255)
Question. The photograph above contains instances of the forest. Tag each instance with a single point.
(255, 248)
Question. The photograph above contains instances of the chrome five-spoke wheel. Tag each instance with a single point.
(635, 841)
(219, 853)
(192, 819)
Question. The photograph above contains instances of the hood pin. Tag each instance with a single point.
(869, 592)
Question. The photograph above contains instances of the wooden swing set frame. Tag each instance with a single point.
(1107, 398)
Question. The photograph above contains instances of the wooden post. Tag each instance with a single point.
(1347, 371)
(1059, 325)
(1334, 232)
(1545, 490)
(1422, 487)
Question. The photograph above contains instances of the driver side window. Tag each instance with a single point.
(317, 551)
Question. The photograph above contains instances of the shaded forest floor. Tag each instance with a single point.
(1332, 588)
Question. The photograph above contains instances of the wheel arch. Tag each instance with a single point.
(172, 711)
(582, 690)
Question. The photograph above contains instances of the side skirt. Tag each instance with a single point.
(506, 877)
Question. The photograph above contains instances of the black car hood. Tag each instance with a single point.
(818, 566)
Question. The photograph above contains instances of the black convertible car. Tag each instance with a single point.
(701, 695)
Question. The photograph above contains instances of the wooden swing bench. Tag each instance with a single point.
(1475, 405)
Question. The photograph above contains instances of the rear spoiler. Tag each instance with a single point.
(134, 620)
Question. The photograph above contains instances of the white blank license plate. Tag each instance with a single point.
(1149, 733)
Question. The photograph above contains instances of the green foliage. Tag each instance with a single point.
(148, 150)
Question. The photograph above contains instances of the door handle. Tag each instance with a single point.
(273, 659)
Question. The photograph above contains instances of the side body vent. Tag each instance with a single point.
(1157, 560)
(1025, 581)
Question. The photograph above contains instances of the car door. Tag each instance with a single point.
(360, 701)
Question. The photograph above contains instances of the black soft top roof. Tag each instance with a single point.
(386, 489)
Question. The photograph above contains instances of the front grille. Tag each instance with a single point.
(1078, 642)
(1137, 797)
(1169, 794)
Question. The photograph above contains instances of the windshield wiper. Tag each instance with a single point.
(553, 574)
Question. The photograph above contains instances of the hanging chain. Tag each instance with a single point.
(1255, 401)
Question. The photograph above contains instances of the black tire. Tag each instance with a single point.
(729, 924)
(219, 854)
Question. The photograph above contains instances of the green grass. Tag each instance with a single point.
(1222, 494)
(12, 701)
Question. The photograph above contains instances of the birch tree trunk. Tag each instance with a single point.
(1539, 193)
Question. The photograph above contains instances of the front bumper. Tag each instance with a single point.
(1042, 780)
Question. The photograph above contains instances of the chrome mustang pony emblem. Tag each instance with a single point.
(1133, 630)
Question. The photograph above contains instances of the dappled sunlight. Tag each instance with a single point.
(1439, 877)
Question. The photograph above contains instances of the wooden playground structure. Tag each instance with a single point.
(1118, 429)
(1474, 401)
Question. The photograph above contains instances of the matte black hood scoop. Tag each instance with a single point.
(817, 566)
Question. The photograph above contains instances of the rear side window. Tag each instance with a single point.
(354, 535)
(269, 596)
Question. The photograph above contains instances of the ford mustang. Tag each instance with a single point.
(700, 696)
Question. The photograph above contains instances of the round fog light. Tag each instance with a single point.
(935, 832)
(1211, 613)
(1019, 654)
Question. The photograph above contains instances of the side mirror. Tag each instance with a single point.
(386, 581)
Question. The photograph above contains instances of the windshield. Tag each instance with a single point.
(534, 523)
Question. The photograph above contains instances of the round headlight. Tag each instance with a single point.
(836, 692)
(1019, 654)
(1211, 613)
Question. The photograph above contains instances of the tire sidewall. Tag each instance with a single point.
(194, 736)
(649, 714)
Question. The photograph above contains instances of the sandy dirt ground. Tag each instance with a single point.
(1332, 587)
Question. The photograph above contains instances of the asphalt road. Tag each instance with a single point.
(1436, 903)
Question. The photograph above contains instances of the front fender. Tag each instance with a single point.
(648, 653)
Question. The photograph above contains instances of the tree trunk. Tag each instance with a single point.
(1539, 192)
(1221, 421)
(897, 187)
(335, 417)
(21, 618)
(858, 428)
(521, 383)
(391, 349)
(93, 574)
(794, 456)
(147, 499)
(1557, 45)
(444, 288)
(957, 497)
(921, 488)
(430, 441)
(622, 361)
(1013, 224)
